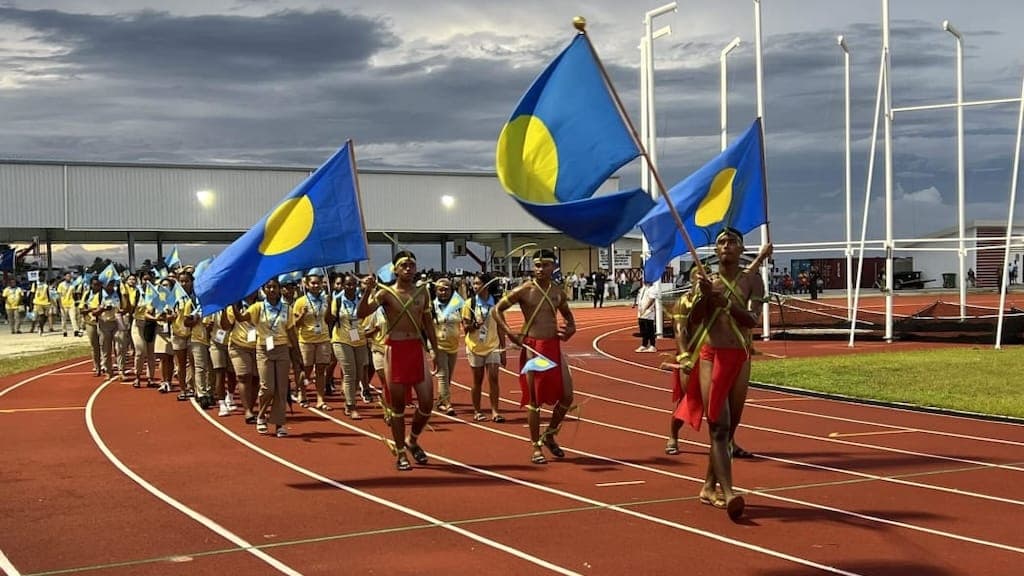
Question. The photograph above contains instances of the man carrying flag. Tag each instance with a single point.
(541, 301)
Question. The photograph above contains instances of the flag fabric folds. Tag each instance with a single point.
(562, 141)
(537, 364)
(319, 223)
(109, 274)
(173, 259)
(727, 191)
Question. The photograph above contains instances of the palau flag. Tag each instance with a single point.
(109, 274)
(173, 259)
(537, 364)
(727, 191)
(564, 139)
(319, 223)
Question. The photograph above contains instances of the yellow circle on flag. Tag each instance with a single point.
(542, 363)
(716, 203)
(527, 160)
(288, 226)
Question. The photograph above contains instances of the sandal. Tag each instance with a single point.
(498, 418)
(740, 453)
(538, 457)
(672, 447)
(324, 406)
(553, 446)
(352, 413)
(183, 397)
(479, 417)
(716, 500)
(403, 463)
(303, 404)
(417, 453)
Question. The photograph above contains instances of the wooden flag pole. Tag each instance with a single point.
(580, 23)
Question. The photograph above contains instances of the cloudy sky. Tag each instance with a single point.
(428, 85)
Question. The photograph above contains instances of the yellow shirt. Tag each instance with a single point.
(347, 323)
(447, 319)
(67, 295)
(42, 295)
(484, 339)
(239, 336)
(271, 322)
(111, 300)
(308, 314)
(134, 296)
(90, 300)
(13, 297)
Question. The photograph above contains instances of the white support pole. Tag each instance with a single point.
(1005, 272)
(647, 60)
(848, 180)
(960, 167)
(766, 326)
(867, 197)
(887, 55)
(724, 90)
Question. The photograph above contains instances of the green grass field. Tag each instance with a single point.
(25, 362)
(972, 379)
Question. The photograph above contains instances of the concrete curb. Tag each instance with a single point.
(884, 404)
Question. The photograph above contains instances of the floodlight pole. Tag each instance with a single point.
(841, 41)
(724, 69)
(648, 128)
(1004, 274)
(960, 187)
(766, 327)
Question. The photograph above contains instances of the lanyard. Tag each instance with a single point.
(267, 309)
(484, 307)
(317, 305)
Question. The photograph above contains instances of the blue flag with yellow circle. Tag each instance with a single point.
(564, 139)
(727, 191)
(320, 223)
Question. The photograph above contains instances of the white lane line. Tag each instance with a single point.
(758, 404)
(598, 503)
(383, 502)
(17, 385)
(624, 483)
(787, 460)
(875, 433)
(6, 565)
(768, 495)
(201, 519)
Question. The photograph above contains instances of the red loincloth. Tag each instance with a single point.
(726, 365)
(548, 384)
(406, 361)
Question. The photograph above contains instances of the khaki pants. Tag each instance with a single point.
(274, 367)
(353, 360)
(201, 363)
(143, 351)
(14, 319)
(107, 334)
(93, 333)
(69, 316)
(445, 368)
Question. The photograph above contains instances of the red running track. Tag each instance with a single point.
(106, 479)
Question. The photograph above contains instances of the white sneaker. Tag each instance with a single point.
(640, 349)
(282, 431)
(651, 349)
(229, 401)
(225, 410)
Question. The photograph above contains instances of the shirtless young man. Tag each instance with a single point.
(541, 301)
(723, 306)
(407, 307)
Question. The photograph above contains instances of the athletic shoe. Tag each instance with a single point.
(640, 349)
(282, 431)
(229, 401)
(651, 349)
(224, 409)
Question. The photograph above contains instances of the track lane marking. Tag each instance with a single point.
(384, 502)
(14, 387)
(176, 504)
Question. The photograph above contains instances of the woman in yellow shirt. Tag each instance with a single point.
(447, 315)
(162, 315)
(485, 346)
(242, 353)
(349, 342)
(90, 305)
(275, 336)
(142, 337)
(311, 320)
(13, 295)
